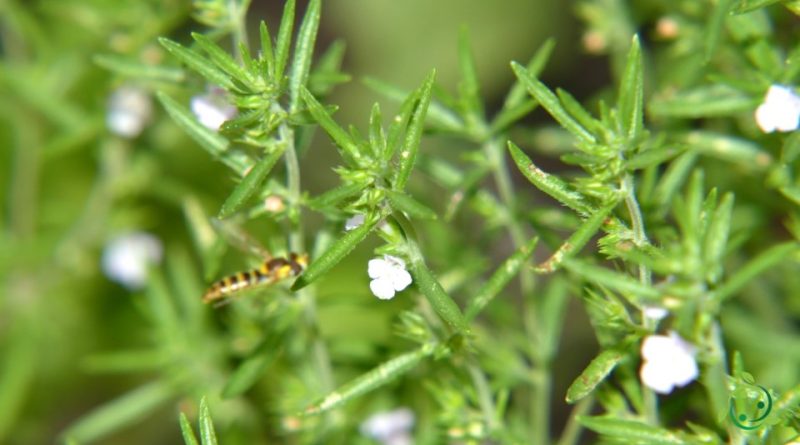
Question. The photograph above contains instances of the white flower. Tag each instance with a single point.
(212, 109)
(129, 110)
(655, 313)
(779, 111)
(390, 427)
(354, 222)
(668, 362)
(388, 275)
(126, 257)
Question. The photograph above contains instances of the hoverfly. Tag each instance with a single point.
(271, 271)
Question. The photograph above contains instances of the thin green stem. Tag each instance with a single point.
(572, 430)
(238, 14)
(484, 397)
(640, 239)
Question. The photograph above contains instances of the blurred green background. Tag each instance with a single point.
(68, 185)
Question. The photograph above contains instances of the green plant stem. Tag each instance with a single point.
(484, 397)
(238, 14)
(572, 429)
(640, 239)
(541, 379)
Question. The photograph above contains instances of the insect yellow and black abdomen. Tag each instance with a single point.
(271, 271)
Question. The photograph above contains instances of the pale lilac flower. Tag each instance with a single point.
(780, 110)
(126, 258)
(129, 110)
(668, 362)
(388, 275)
(390, 427)
(354, 222)
(212, 109)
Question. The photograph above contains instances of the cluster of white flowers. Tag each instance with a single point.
(129, 110)
(780, 110)
(668, 362)
(127, 257)
(390, 427)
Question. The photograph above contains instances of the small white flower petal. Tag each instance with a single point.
(401, 279)
(382, 288)
(129, 110)
(354, 222)
(780, 110)
(211, 114)
(126, 258)
(388, 426)
(668, 362)
(655, 312)
(377, 268)
(656, 377)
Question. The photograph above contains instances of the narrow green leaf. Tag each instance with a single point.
(334, 196)
(347, 146)
(673, 178)
(577, 240)
(128, 409)
(516, 95)
(335, 253)
(186, 431)
(651, 157)
(398, 125)
(576, 110)
(198, 63)
(377, 138)
(715, 26)
(251, 369)
(413, 136)
(138, 70)
(744, 6)
(613, 280)
(717, 100)
(371, 380)
(442, 303)
(439, 116)
(469, 88)
(266, 50)
(549, 184)
(251, 182)
(631, 94)
(223, 60)
(500, 278)
(597, 371)
(412, 207)
(207, 434)
(632, 431)
(303, 53)
(764, 261)
(551, 103)
(717, 238)
(124, 361)
(507, 117)
(740, 151)
(17, 373)
(284, 40)
(215, 144)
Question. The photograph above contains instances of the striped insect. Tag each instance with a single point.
(271, 271)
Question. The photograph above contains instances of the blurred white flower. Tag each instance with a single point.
(126, 258)
(129, 110)
(212, 109)
(354, 222)
(390, 427)
(655, 313)
(388, 275)
(780, 110)
(668, 362)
